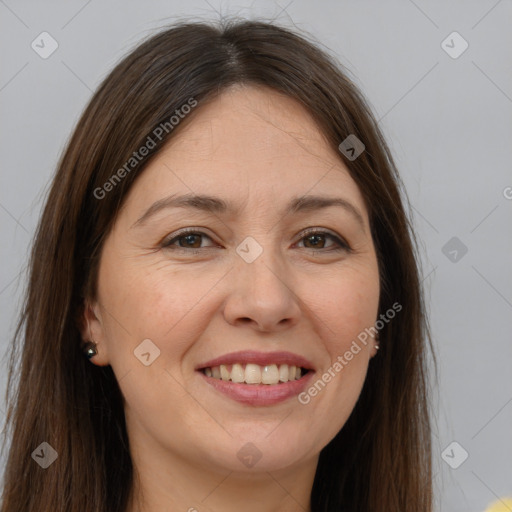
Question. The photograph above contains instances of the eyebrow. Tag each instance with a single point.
(216, 205)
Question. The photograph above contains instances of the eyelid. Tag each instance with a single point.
(324, 231)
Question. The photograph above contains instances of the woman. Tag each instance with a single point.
(224, 308)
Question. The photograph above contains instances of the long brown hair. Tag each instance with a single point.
(380, 461)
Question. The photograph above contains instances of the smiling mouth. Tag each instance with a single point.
(250, 373)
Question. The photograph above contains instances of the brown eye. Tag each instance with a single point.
(191, 240)
(317, 240)
(186, 240)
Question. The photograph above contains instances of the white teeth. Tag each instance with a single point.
(237, 373)
(252, 374)
(270, 374)
(224, 374)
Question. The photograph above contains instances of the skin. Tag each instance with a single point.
(258, 149)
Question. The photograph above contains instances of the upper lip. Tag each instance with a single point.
(260, 358)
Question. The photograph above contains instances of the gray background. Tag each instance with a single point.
(448, 121)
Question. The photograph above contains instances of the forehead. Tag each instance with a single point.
(245, 119)
(248, 144)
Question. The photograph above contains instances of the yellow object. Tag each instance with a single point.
(502, 505)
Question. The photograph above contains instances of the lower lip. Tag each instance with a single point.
(259, 394)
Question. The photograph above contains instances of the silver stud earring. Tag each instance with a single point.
(90, 349)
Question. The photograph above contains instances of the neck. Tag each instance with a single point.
(174, 484)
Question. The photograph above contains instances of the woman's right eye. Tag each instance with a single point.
(191, 239)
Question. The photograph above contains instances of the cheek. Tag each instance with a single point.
(167, 306)
(347, 307)
(164, 306)
(352, 307)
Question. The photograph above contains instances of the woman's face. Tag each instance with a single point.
(249, 288)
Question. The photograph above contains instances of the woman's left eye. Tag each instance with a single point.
(192, 240)
(315, 236)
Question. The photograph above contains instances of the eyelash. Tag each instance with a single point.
(342, 245)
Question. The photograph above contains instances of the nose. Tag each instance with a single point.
(261, 295)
